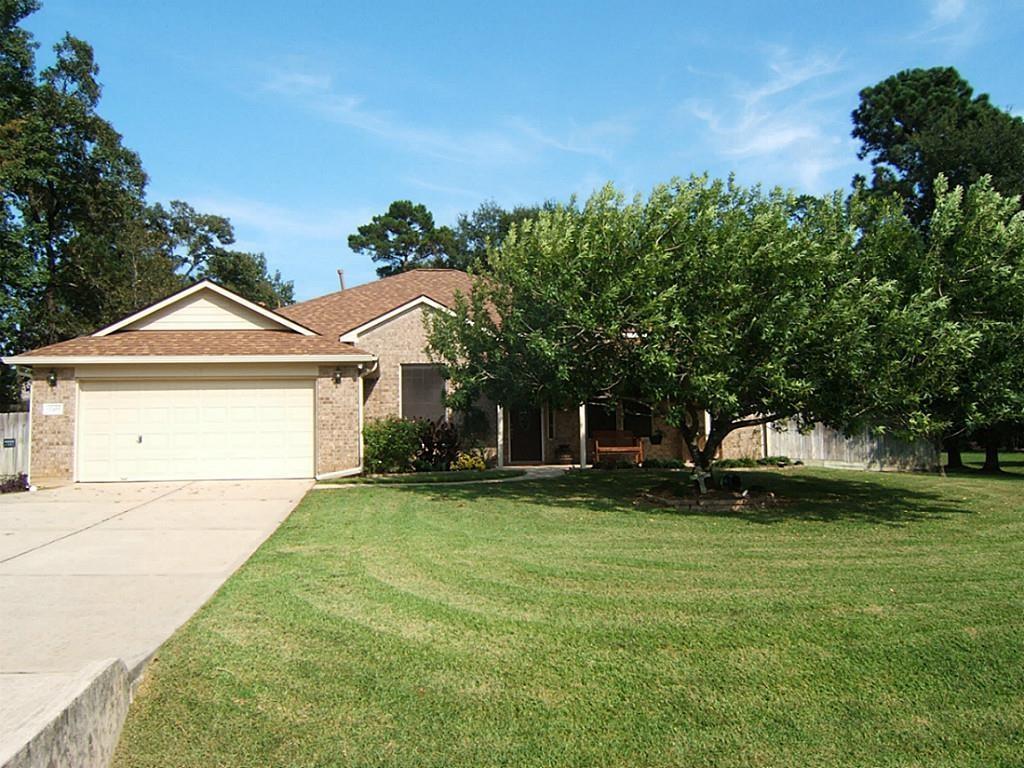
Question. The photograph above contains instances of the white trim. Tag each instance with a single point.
(500, 418)
(421, 300)
(200, 286)
(340, 473)
(31, 426)
(583, 435)
(125, 359)
(75, 441)
(400, 414)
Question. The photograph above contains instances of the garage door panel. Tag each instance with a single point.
(193, 429)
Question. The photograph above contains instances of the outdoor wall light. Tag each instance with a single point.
(337, 375)
(51, 378)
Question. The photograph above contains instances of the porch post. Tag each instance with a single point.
(583, 435)
(501, 435)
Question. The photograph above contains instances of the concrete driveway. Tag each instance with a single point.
(98, 571)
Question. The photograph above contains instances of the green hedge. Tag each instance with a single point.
(390, 444)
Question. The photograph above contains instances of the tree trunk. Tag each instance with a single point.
(991, 464)
(954, 459)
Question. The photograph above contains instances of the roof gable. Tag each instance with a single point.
(205, 306)
(352, 310)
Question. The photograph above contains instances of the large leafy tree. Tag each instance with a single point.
(919, 123)
(72, 198)
(247, 274)
(975, 260)
(196, 244)
(79, 246)
(707, 297)
(484, 229)
(402, 238)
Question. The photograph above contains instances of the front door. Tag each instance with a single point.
(524, 434)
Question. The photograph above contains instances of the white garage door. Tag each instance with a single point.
(194, 430)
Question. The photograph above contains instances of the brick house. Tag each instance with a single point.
(208, 385)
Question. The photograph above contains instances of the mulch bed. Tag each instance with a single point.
(678, 496)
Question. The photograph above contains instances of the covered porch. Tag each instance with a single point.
(548, 435)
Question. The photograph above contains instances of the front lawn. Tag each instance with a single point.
(420, 478)
(875, 621)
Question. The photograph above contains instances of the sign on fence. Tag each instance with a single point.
(14, 454)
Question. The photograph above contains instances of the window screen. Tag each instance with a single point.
(422, 392)
(600, 418)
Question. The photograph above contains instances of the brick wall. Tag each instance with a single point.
(337, 420)
(671, 443)
(745, 443)
(53, 437)
(400, 341)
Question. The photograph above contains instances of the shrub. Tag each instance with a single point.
(391, 444)
(13, 483)
(733, 463)
(439, 446)
(777, 461)
(472, 460)
(663, 464)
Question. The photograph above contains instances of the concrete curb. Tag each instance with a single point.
(78, 728)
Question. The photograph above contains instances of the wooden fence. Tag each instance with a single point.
(14, 451)
(828, 447)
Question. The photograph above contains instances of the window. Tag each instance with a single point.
(636, 418)
(422, 392)
(551, 422)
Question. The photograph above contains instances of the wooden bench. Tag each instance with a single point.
(617, 445)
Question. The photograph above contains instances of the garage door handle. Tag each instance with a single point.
(140, 439)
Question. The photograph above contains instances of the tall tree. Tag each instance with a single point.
(975, 260)
(72, 195)
(483, 230)
(403, 238)
(247, 274)
(916, 126)
(706, 297)
(919, 123)
(79, 246)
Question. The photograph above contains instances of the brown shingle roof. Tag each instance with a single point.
(175, 343)
(341, 311)
(330, 316)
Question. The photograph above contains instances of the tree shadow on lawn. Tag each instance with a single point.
(803, 497)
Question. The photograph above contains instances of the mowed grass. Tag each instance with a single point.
(877, 620)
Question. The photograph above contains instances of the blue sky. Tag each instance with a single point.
(299, 121)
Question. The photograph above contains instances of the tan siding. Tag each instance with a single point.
(402, 339)
(207, 311)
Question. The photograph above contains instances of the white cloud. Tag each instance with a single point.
(779, 127)
(279, 220)
(951, 24)
(307, 244)
(512, 140)
(946, 11)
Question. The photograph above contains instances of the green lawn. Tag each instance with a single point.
(1009, 461)
(875, 622)
(414, 478)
